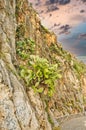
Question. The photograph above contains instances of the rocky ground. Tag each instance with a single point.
(75, 124)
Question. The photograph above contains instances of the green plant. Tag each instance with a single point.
(20, 31)
(40, 75)
(79, 67)
(25, 48)
(59, 51)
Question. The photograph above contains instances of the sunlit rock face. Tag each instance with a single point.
(20, 107)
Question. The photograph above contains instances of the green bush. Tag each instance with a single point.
(25, 48)
(79, 67)
(40, 74)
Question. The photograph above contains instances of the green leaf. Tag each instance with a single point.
(50, 93)
(34, 88)
(40, 90)
(37, 84)
(48, 81)
(46, 73)
(59, 76)
(23, 73)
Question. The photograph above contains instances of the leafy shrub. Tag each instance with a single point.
(79, 67)
(25, 48)
(40, 75)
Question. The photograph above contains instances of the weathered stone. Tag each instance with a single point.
(39, 108)
(26, 110)
(8, 119)
(23, 110)
(0, 77)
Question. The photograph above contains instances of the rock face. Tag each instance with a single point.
(21, 108)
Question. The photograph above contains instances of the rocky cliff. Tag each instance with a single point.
(39, 81)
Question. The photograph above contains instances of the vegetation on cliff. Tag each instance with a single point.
(43, 48)
(36, 71)
(31, 60)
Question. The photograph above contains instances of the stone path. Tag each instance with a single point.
(75, 124)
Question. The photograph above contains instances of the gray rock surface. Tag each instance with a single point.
(26, 110)
(75, 124)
